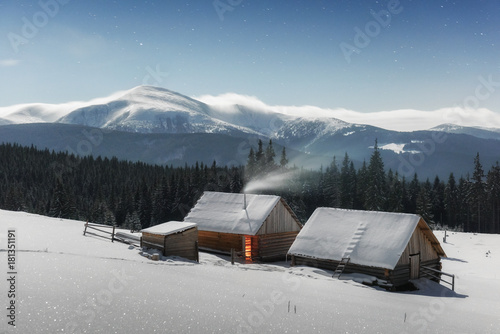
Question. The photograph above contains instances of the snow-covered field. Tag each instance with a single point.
(69, 283)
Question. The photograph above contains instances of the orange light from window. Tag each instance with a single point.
(248, 247)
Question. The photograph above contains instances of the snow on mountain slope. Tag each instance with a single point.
(479, 132)
(34, 113)
(406, 120)
(263, 121)
(153, 109)
(148, 109)
(74, 284)
(46, 113)
(315, 127)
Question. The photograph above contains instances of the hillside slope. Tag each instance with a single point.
(71, 283)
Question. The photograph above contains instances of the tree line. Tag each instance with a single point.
(138, 195)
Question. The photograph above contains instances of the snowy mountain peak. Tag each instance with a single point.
(148, 97)
(479, 132)
(147, 109)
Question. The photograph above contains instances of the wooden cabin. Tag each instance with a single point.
(173, 239)
(261, 227)
(390, 246)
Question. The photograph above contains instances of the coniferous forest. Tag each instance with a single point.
(135, 195)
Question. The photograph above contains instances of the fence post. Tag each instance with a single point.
(232, 255)
(197, 251)
(453, 282)
(113, 234)
(85, 230)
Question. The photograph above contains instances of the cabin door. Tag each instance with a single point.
(415, 266)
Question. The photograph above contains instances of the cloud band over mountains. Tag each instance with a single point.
(397, 120)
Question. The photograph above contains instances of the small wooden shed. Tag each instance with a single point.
(389, 246)
(173, 239)
(263, 227)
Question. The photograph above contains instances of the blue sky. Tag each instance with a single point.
(430, 55)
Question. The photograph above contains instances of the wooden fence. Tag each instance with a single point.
(433, 273)
(128, 239)
(99, 227)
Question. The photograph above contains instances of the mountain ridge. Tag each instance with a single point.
(185, 129)
(150, 109)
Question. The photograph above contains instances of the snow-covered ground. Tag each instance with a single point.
(70, 283)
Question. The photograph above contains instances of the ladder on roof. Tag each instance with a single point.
(341, 267)
(358, 234)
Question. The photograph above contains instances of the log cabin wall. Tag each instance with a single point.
(152, 241)
(281, 219)
(271, 242)
(332, 265)
(273, 247)
(398, 277)
(222, 242)
(182, 244)
(418, 243)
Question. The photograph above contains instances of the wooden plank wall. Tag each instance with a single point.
(182, 244)
(152, 241)
(400, 275)
(273, 247)
(222, 242)
(418, 243)
(270, 247)
(179, 244)
(280, 220)
(332, 265)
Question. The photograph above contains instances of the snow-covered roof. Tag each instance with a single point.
(369, 238)
(226, 213)
(169, 228)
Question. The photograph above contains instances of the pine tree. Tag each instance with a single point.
(160, 209)
(260, 159)
(437, 200)
(251, 167)
(98, 212)
(283, 159)
(463, 203)
(132, 221)
(424, 203)
(124, 206)
(362, 187)
(405, 201)
(451, 202)
(493, 193)
(145, 206)
(14, 200)
(395, 196)
(413, 192)
(347, 183)
(62, 204)
(477, 193)
(236, 183)
(376, 191)
(269, 165)
(331, 185)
